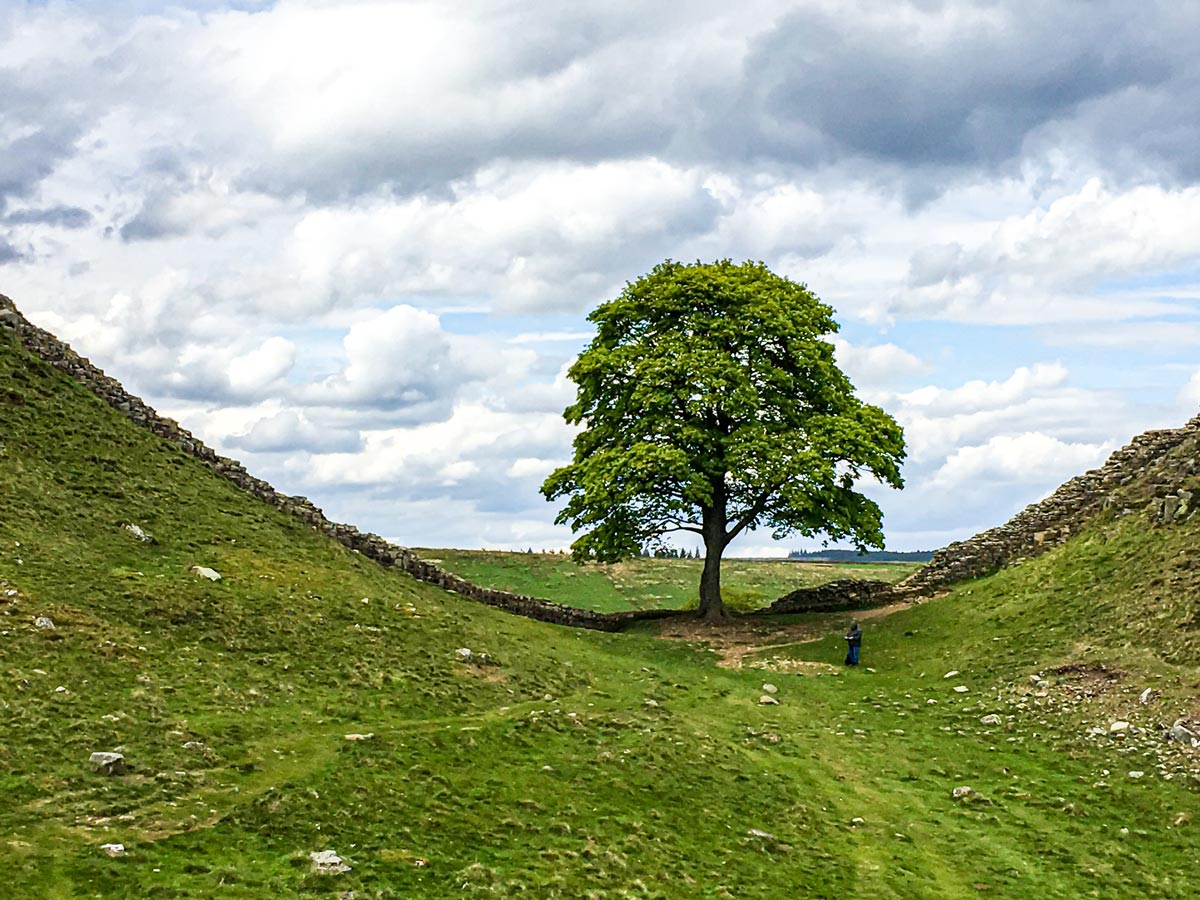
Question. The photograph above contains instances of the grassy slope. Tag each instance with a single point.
(270, 667)
(649, 583)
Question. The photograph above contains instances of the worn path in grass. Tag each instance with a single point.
(745, 636)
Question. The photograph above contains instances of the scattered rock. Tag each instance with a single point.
(767, 700)
(327, 862)
(206, 572)
(1171, 507)
(650, 702)
(355, 736)
(961, 689)
(857, 820)
(759, 833)
(770, 689)
(966, 794)
(194, 746)
(1147, 696)
(951, 673)
(44, 622)
(1183, 734)
(991, 719)
(1118, 727)
(139, 534)
(113, 850)
(1136, 774)
(466, 655)
(107, 762)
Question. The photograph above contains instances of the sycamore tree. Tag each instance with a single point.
(710, 402)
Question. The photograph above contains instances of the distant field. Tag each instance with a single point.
(648, 583)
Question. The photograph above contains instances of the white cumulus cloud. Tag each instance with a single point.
(1005, 459)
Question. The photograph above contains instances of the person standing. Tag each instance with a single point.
(853, 644)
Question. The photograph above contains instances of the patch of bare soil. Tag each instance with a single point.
(490, 674)
(744, 636)
(1089, 679)
(790, 666)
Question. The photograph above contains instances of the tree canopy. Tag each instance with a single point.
(710, 402)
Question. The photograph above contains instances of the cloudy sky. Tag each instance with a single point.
(354, 244)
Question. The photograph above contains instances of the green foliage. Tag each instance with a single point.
(711, 402)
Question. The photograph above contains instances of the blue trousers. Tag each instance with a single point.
(852, 654)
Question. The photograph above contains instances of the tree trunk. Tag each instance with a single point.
(712, 608)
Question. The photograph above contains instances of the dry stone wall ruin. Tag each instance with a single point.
(1158, 469)
(834, 596)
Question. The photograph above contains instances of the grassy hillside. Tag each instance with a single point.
(582, 764)
(649, 583)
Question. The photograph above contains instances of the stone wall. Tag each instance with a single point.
(835, 596)
(1154, 469)
(53, 351)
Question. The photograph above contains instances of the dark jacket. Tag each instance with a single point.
(854, 636)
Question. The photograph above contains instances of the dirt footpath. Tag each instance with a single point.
(744, 636)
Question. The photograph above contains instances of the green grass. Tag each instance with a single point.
(649, 583)
(551, 774)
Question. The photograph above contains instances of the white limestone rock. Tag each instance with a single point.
(327, 862)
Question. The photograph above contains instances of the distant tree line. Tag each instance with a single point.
(855, 556)
(663, 552)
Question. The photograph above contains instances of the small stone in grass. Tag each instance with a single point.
(327, 862)
(108, 763)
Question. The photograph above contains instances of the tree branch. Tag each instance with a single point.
(666, 526)
(751, 514)
(690, 528)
